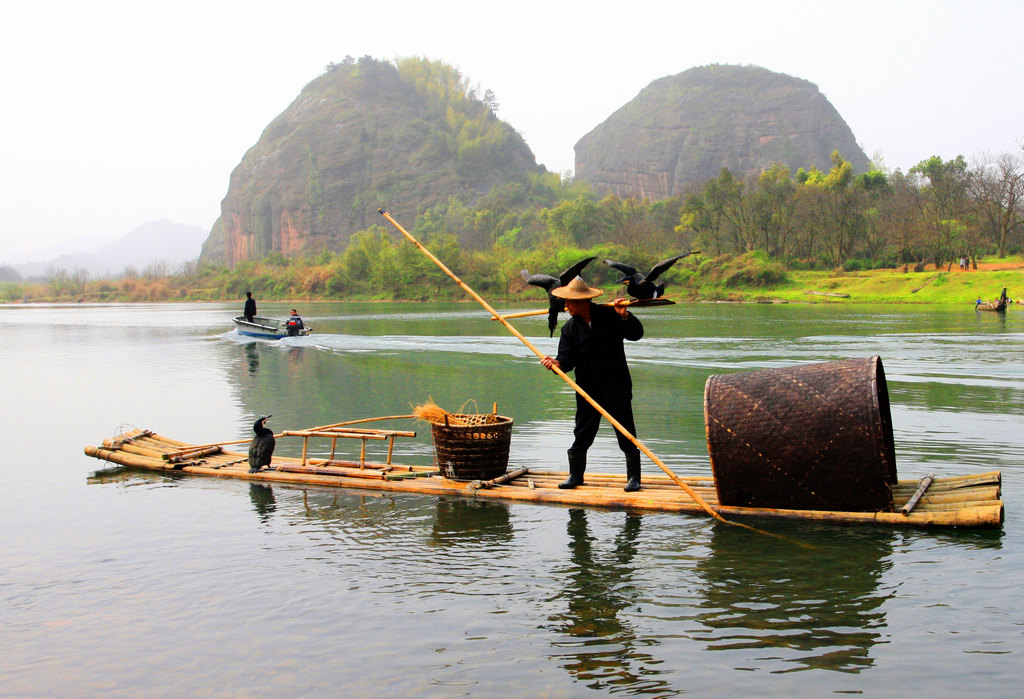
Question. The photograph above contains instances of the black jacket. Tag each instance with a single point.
(596, 353)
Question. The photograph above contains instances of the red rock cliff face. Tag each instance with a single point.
(241, 244)
(360, 137)
(681, 130)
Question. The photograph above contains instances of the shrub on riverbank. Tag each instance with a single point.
(405, 275)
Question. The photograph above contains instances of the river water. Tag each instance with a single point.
(116, 582)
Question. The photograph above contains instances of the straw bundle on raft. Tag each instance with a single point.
(436, 415)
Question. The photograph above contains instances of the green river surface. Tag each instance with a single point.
(118, 582)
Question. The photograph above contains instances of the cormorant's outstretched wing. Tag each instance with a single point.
(622, 267)
(630, 273)
(658, 269)
(574, 271)
(544, 281)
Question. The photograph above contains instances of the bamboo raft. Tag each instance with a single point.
(957, 501)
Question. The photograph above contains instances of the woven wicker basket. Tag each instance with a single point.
(812, 437)
(472, 447)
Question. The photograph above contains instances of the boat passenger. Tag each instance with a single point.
(250, 307)
(294, 324)
(591, 343)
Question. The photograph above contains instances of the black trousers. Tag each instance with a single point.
(588, 419)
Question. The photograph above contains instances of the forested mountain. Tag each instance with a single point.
(727, 159)
(682, 130)
(364, 134)
(413, 135)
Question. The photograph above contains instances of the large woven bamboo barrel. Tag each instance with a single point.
(811, 437)
(472, 447)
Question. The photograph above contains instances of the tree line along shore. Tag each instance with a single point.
(944, 232)
(745, 278)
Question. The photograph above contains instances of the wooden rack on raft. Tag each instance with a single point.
(334, 435)
(334, 432)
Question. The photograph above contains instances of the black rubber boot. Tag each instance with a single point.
(632, 472)
(577, 465)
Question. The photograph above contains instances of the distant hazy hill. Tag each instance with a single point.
(363, 135)
(682, 129)
(158, 241)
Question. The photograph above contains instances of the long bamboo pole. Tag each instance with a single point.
(523, 314)
(365, 419)
(565, 377)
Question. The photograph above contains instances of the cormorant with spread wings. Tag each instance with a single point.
(550, 283)
(645, 286)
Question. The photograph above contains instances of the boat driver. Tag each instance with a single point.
(295, 325)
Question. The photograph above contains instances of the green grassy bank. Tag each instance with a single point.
(953, 287)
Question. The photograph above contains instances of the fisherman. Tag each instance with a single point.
(592, 343)
(250, 307)
(294, 324)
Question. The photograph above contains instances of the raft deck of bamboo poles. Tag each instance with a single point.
(958, 501)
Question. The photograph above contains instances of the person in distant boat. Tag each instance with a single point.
(295, 325)
(250, 307)
(591, 343)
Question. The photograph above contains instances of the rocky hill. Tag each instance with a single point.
(365, 134)
(682, 129)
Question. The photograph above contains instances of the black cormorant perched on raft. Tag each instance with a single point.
(261, 448)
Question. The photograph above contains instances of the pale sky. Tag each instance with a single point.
(116, 113)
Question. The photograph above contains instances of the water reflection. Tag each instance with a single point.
(802, 608)
(603, 649)
(459, 522)
(252, 356)
(262, 496)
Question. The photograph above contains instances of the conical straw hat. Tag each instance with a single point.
(576, 289)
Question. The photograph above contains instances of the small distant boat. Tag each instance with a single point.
(999, 305)
(267, 328)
